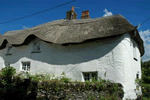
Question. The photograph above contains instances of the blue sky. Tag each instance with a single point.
(135, 11)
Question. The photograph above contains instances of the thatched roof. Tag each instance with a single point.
(74, 31)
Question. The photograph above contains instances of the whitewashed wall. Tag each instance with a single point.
(113, 56)
(131, 66)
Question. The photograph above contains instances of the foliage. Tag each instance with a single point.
(7, 73)
(53, 88)
(91, 97)
(64, 78)
(145, 82)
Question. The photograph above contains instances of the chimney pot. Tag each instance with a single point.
(85, 14)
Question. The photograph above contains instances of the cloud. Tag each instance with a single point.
(107, 13)
(139, 25)
(25, 27)
(145, 35)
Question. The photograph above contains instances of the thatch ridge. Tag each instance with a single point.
(74, 31)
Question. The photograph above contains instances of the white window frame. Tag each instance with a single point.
(90, 75)
(25, 66)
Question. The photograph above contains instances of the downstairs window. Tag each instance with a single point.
(25, 66)
(89, 76)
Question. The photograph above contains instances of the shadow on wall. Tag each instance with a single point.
(56, 54)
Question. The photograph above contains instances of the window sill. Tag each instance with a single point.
(8, 54)
(135, 59)
(36, 52)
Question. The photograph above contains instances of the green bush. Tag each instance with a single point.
(7, 73)
(145, 84)
(24, 88)
(65, 79)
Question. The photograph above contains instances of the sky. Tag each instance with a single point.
(135, 11)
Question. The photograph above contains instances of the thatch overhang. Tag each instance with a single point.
(74, 31)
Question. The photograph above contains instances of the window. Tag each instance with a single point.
(90, 75)
(25, 66)
(9, 52)
(137, 75)
(36, 47)
(134, 52)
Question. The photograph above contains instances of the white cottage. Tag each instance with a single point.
(107, 47)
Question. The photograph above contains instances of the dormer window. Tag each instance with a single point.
(9, 49)
(36, 47)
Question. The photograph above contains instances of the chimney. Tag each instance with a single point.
(85, 14)
(70, 15)
(72, 8)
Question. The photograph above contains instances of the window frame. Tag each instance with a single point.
(89, 77)
(26, 62)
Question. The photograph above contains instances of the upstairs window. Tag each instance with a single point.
(36, 47)
(89, 76)
(134, 52)
(9, 49)
(25, 66)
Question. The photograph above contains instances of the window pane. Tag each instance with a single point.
(94, 75)
(137, 76)
(23, 64)
(36, 46)
(86, 76)
(23, 68)
(9, 50)
(28, 66)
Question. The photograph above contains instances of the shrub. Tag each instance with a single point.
(7, 73)
(65, 79)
